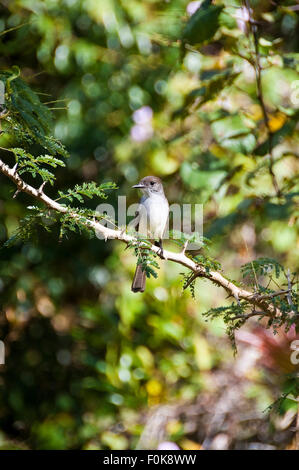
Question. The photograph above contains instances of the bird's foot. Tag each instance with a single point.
(160, 252)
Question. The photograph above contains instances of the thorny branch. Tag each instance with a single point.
(261, 301)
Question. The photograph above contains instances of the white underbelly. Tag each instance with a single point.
(156, 214)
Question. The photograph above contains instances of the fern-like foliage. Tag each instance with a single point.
(88, 190)
(77, 222)
(180, 238)
(261, 267)
(207, 262)
(28, 124)
(290, 393)
(189, 281)
(234, 316)
(27, 229)
(27, 119)
(237, 314)
(27, 163)
(145, 256)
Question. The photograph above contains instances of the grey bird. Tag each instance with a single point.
(151, 220)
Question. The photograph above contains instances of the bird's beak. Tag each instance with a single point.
(138, 186)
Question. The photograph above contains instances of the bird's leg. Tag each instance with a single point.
(160, 245)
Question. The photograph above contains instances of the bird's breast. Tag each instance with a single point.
(157, 210)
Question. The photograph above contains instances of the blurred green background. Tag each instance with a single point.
(89, 363)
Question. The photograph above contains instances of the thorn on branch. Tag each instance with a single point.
(236, 296)
(161, 253)
(14, 169)
(122, 231)
(16, 193)
(41, 188)
(184, 247)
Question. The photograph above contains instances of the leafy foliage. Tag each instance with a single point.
(26, 118)
(88, 190)
(261, 267)
(73, 222)
(203, 24)
(145, 256)
(234, 316)
(27, 229)
(27, 163)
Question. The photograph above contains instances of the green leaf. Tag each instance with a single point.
(243, 144)
(230, 126)
(197, 179)
(233, 133)
(203, 24)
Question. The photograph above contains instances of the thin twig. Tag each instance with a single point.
(248, 315)
(258, 73)
(289, 291)
(191, 279)
(273, 294)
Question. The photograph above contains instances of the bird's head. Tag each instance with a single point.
(150, 185)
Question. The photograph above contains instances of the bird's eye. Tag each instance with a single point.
(152, 183)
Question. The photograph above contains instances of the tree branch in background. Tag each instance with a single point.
(258, 73)
(253, 298)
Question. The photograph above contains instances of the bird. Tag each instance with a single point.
(151, 220)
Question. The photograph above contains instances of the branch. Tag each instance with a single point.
(199, 271)
(249, 315)
(258, 73)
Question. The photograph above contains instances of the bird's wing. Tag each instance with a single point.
(142, 217)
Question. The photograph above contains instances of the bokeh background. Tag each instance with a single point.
(89, 364)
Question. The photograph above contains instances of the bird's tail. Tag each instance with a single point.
(138, 284)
